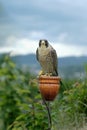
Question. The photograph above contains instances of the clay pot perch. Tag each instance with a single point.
(49, 87)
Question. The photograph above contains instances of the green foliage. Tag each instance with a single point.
(20, 101)
(76, 98)
(22, 108)
(72, 107)
(33, 115)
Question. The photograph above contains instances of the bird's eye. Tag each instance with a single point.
(39, 43)
(46, 43)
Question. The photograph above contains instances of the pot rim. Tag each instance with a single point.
(49, 77)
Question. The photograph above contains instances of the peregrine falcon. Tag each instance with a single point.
(47, 57)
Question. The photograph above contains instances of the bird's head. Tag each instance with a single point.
(43, 43)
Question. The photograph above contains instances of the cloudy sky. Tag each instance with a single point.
(62, 22)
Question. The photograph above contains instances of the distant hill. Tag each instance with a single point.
(72, 66)
(65, 61)
(68, 67)
(29, 59)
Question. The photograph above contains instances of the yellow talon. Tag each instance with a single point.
(48, 74)
(41, 73)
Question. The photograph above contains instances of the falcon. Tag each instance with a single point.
(47, 57)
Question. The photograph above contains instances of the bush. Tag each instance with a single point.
(20, 101)
(22, 108)
(72, 107)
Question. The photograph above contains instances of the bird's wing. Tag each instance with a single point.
(54, 60)
(37, 54)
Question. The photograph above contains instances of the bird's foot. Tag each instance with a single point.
(48, 74)
(41, 73)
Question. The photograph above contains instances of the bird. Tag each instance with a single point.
(47, 57)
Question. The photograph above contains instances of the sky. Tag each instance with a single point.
(62, 22)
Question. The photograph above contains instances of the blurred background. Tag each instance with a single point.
(61, 22)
